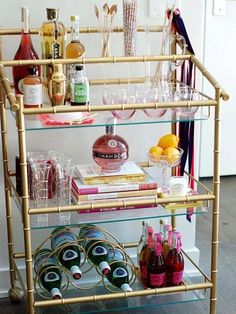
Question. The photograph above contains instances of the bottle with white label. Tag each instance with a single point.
(79, 87)
(64, 242)
(32, 89)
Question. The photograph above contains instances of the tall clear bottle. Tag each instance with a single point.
(25, 51)
(53, 39)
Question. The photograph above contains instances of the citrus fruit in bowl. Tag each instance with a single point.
(168, 140)
(172, 155)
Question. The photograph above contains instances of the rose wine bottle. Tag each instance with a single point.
(142, 239)
(175, 261)
(166, 244)
(25, 51)
(145, 254)
(156, 268)
(65, 243)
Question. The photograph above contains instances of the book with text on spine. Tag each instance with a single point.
(93, 174)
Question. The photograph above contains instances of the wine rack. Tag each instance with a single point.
(98, 298)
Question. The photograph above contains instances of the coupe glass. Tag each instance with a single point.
(164, 162)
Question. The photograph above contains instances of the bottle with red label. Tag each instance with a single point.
(175, 261)
(156, 269)
(145, 254)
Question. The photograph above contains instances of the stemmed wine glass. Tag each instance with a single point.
(171, 159)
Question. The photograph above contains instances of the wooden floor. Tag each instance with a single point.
(227, 260)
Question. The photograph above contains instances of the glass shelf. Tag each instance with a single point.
(34, 122)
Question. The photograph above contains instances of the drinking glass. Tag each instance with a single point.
(164, 162)
(186, 93)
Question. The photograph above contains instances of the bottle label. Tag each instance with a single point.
(44, 259)
(157, 280)
(116, 156)
(80, 93)
(20, 85)
(69, 255)
(99, 250)
(177, 277)
(33, 94)
(120, 272)
(61, 238)
(51, 277)
(56, 51)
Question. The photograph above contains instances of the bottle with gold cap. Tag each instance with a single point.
(57, 86)
(53, 38)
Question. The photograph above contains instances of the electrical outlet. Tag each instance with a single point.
(157, 8)
(219, 7)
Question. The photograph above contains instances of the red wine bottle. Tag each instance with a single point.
(156, 277)
(175, 261)
(25, 51)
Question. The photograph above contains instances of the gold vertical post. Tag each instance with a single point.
(215, 212)
(25, 206)
(7, 187)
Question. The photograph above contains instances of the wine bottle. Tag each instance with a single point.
(25, 51)
(119, 276)
(64, 241)
(166, 244)
(156, 265)
(145, 254)
(142, 239)
(49, 275)
(95, 247)
(175, 261)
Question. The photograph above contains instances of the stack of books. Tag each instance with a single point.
(90, 185)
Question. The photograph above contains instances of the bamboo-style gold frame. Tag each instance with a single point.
(16, 105)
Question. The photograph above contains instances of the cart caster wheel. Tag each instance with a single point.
(16, 295)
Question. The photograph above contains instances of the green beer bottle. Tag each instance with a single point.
(64, 241)
(119, 276)
(96, 249)
(49, 275)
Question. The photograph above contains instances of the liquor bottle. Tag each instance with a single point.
(32, 89)
(145, 254)
(64, 242)
(110, 151)
(119, 276)
(57, 86)
(142, 239)
(53, 38)
(49, 275)
(79, 87)
(166, 244)
(95, 248)
(156, 277)
(175, 261)
(25, 51)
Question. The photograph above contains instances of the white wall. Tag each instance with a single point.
(78, 142)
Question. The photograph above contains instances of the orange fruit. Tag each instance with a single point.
(172, 154)
(168, 140)
(155, 151)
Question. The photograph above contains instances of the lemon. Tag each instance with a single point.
(155, 151)
(168, 140)
(172, 154)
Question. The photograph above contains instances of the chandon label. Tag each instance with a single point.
(123, 155)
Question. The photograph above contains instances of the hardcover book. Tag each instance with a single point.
(93, 174)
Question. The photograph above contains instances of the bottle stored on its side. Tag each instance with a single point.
(79, 87)
(156, 265)
(119, 276)
(25, 51)
(64, 241)
(175, 261)
(32, 89)
(95, 247)
(49, 275)
(57, 86)
(53, 39)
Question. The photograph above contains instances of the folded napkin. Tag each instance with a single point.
(46, 120)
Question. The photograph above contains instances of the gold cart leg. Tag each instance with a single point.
(215, 212)
(7, 189)
(25, 207)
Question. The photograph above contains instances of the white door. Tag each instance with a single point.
(219, 59)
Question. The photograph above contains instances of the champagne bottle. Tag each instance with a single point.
(49, 275)
(95, 247)
(175, 261)
(25, 51)
(119, 276)
(156, 265)
(65, 242)
(166, 244)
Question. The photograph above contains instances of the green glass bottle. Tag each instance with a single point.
(96, 249)
(64, 241)
(119, 276)
(49, 274)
